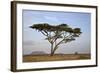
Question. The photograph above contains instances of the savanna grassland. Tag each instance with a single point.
(55, 57)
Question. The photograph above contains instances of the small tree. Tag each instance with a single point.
(76, 53)
(57, 35)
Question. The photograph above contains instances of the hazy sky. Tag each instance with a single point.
(34, 40)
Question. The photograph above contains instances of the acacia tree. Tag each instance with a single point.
(57, 34)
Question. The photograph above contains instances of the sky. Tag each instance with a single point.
(35, 41)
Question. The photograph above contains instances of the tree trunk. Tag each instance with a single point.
(52, 53)
(53, 50)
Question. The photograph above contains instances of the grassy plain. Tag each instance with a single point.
(56, 57)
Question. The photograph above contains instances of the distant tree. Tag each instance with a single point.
(76, 53)
(57, 34)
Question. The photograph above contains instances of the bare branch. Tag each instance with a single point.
(61, 41)
(43, 33)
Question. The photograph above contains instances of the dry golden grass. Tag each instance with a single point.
(56, 57)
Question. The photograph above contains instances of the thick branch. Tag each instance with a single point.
(43, 33)
(46, 32)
